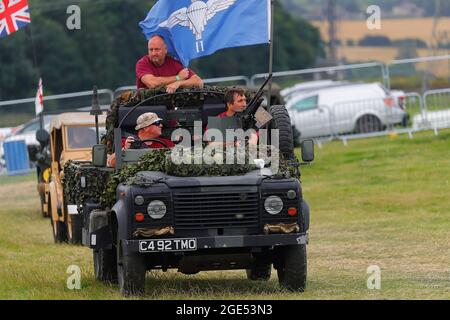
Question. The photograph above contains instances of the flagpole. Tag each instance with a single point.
(29, 32)
(270, 53)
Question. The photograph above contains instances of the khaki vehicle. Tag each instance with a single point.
(72, 136)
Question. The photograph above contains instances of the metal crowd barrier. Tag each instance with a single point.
(437, 108)
(329, 72)
(357, 119)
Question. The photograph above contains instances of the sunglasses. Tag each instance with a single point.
(157, 123)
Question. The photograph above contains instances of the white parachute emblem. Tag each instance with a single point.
(196, 17)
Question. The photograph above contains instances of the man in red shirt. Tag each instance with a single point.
(148, 126)
(157, 69)
(236, 102)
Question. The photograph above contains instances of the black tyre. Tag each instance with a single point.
(368, 123)
(259, 270)
(59, 231)
(282, 122)
(130, 273)
(58, 228)
(297, 136)
(292, 267)
(42, 198)
(105, 265)
(74, 228)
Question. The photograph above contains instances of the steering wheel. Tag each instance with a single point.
(154, 140)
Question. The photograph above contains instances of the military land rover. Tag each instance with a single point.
(151, 213)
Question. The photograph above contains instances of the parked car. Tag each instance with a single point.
(400, 97)
(307, 86)
(347, 108)
(27, 131)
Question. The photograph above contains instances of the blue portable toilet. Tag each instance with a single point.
(16, 157)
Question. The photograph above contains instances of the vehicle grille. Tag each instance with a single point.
(202, 210)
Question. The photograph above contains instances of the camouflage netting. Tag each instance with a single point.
(160, 160)
(94, 180)
(102, 184)
(187, 97)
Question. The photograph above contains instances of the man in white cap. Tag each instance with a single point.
(148, 126)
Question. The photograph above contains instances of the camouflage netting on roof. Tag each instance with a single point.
(184, 97)
(160, 160)
(101, 184)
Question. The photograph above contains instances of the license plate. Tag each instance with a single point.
(168, 245)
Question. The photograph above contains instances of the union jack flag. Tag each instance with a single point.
(14, 15)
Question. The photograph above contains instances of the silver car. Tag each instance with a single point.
(342, 109)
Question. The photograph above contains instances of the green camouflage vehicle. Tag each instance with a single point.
(150, 212)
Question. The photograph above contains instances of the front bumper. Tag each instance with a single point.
(220, 242)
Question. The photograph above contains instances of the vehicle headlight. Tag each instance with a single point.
(273, 205)
(156, 209)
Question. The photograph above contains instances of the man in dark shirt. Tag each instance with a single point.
(148, 126)
(157, 69)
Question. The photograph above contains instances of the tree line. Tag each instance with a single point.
(104, 51)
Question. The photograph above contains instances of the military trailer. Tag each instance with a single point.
(72, 135)
(148, 213)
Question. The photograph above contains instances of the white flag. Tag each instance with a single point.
(39, 102)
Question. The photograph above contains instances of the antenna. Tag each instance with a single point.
(96, 111)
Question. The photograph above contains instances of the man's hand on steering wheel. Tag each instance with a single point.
(155, 140)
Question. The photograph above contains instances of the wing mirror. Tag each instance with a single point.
(307, 147)
(99, 155)
(42, 136)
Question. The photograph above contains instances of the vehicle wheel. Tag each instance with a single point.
(297, 136)
(292, 267)
(74, 224)
(58, 227)
(42, 198)
(259, 270)
(105, 265)
(282, 122)
(59, 231)
(130, 273)
(368, 123)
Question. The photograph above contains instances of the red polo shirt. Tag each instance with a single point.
(154, 145)
(169, 68)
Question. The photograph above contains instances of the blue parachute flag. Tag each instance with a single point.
(197, 28)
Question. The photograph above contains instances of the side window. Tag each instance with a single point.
(306, 104)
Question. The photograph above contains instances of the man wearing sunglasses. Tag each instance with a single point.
(148, 126)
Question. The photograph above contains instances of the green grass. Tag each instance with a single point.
(381, 201)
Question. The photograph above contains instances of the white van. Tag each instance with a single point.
(348, 108)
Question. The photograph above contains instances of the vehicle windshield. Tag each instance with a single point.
(79, 137)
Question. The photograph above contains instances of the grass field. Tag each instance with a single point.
(394, 29)
(380, 201)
